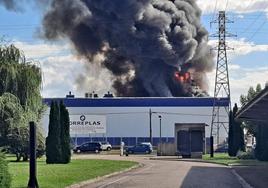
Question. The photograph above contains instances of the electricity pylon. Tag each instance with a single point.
(222, 85)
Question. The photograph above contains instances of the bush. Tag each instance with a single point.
(245, 155)
(5, 178)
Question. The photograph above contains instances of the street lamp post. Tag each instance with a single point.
(160, 132)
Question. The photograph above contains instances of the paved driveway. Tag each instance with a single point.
(168, 174)
(256, 176)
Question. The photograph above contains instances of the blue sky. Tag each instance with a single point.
(248, 62)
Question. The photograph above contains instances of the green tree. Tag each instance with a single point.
(53, 140)
(21, 102)
(235, 135)
(239, 133)
(15, 130)
(5, 178)
(65, 133)
(58, 140)
(231, 148)
(251, 127)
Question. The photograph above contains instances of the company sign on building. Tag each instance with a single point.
(87, 124)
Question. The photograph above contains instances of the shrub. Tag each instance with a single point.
(5, 178)
(245, 155)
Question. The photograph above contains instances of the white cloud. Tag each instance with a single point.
(240, 80)
(63, 71)
(242, 47)
(238, 6)
(41, 50)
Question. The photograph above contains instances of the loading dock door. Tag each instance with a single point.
(183, 143)
(196, 141)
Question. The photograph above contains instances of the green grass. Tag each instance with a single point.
(225, 159)
(62, 175)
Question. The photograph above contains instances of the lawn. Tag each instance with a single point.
(60, 175)
(224, 158)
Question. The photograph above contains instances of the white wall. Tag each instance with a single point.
(134, 121)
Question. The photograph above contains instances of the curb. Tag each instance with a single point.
(203, 161)
(86, 182)
(185, 160)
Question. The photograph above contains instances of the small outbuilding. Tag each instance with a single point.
(190, 139)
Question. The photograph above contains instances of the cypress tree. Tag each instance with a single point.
(49, 139)
(238, 132)
(65, 134)
(231, 148)
(235, 135)
(53, 143)
(58, 151)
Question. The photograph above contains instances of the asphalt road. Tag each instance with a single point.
(256, 176)
(169, 174)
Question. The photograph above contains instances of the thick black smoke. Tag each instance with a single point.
(144, 41)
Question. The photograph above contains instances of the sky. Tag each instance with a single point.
(248, 62)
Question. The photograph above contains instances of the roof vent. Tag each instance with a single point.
(108, 95)
(70, 95)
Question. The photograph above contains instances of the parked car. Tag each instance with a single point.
(88, 147)
(223, 148)
(106, 146)
(149, 144)
(140, 148)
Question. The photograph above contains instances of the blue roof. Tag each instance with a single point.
(139, 102)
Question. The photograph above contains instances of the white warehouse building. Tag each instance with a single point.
(128, 119)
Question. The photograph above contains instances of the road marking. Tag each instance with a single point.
(127, 176)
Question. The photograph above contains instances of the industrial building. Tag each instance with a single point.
(130, 119)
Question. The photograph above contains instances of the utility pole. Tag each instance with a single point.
(160, 134)
(32, 183)
(150, 124)
(222, 85)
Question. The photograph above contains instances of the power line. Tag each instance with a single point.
(226, 6)
(259, 28)
(214, 12)
(262, 12)
(252, 23)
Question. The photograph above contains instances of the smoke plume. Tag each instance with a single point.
(144, 42)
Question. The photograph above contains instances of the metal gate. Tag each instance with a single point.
(189, 141)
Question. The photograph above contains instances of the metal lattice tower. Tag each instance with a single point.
(222, 86)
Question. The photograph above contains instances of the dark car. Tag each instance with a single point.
(140, 148)
(223, 148)
(88, 147)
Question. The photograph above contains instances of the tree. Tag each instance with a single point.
(65, 133)
(53, 143)
(231, 149)
(5, 178)
(235, 135)
(239, 133)
(14, 128)
(58, 140)
(20, 100)
(252, 128)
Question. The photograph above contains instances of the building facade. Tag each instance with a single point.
(128, 119)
